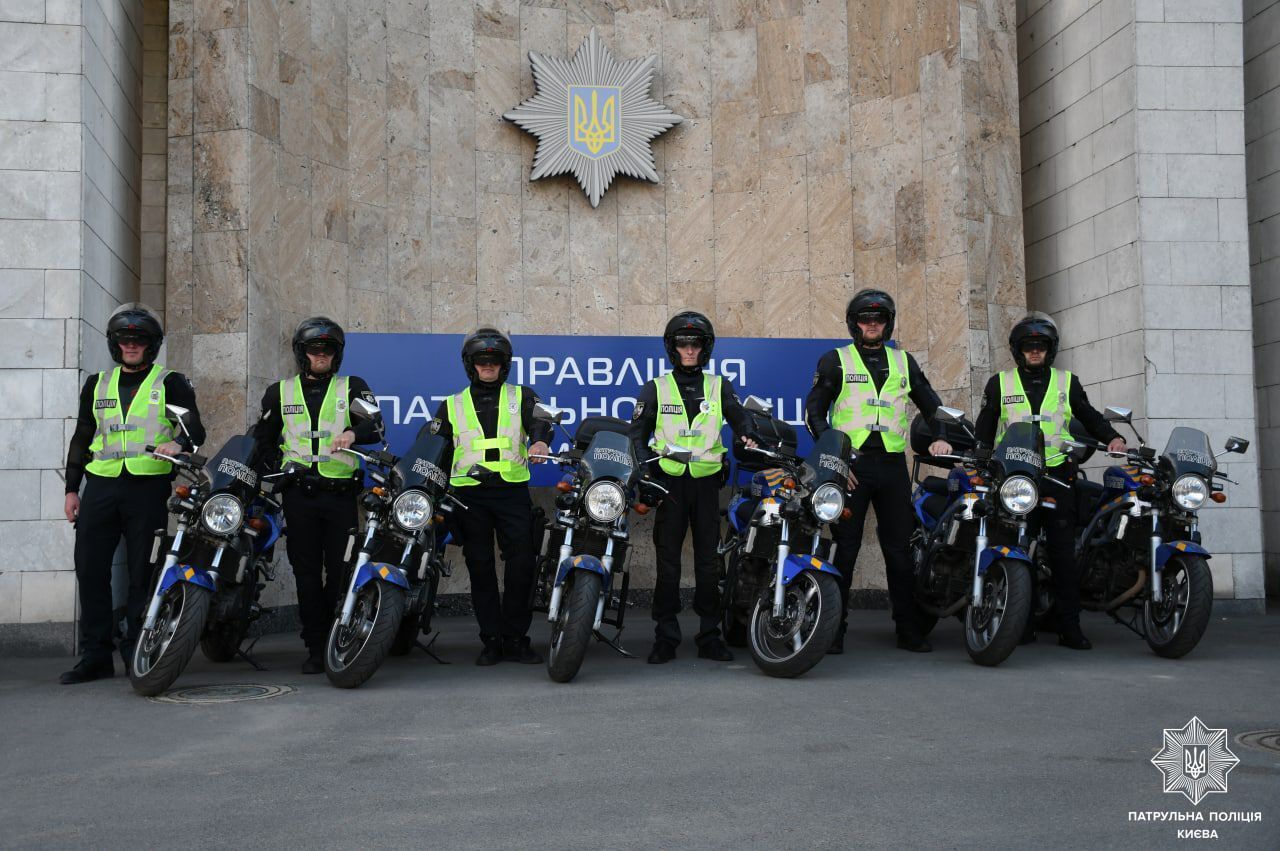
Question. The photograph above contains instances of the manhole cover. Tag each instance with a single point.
(1263, 740)
(222, 694)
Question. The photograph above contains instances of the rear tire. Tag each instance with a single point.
(790, 645)
(406, 635)
(354, 653)
(572, 631)
(1175, 625)
(221, 641)
(993, 629)
(161, 655)
(733, 623)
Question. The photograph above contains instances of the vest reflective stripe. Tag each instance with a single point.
(860, 409)
(121, 438)
(702, 436)
(296, 433)
(470, 443)
(1054, 415)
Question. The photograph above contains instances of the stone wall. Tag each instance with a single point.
(70, 93)
(1262, 157)
(1133, 159)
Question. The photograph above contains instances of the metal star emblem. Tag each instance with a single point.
(593, 117)
(1195, 760)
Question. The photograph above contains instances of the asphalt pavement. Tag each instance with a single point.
(875, 748)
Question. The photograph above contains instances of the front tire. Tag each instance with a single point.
(353, 653)
(161, 653)
(792, 644)
(993, 627)
(572, 630)
(1175, 625)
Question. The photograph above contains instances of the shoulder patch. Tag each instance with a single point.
(639, 411)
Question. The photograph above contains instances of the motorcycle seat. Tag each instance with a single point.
(935, 485)
(1088, 495)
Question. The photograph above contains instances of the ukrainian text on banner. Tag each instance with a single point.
(587, 376)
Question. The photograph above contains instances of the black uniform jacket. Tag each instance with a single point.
(177, 391)
(828, 381)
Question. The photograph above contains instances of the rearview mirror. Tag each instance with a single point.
(756, 405)
(546, 413)
(1118, 415)
(954, 416)
(1237, 444)
(365, 410)
(1073, 449)
(179, 413)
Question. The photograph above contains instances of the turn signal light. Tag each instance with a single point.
(378, 491)
(1147, 479)
(1218, 497)
(846, 514)
(564, 487)
(182, 491)
(257, 523)
(439, 518)
(789, 483)
(640, 508)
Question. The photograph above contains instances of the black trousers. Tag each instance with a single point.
(1060, 528)
(692, 504)
(883, 483)
(318, 523)
(506, 512)
(132, 507)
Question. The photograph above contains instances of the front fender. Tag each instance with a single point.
(372, 570)
(583, 562)
(992, 554)
(186, 573)
(799, 563)
(1168, 550)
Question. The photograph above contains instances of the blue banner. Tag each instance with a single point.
(411, 374)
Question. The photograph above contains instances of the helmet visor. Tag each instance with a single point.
(872, 317)
(133, 338)
(487, 359)
(1035, 344)
(689, 341)
(321, 347)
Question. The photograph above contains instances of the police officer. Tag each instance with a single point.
(491, 424)
(863, 390)
(306, 420)
(687, 409)
(1036, 391)
(126, 489)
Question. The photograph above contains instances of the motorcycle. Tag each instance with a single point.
(391, 588)
(585, 544)
(970, 548)
(1139, 543)
(217, 564)
(786, 606)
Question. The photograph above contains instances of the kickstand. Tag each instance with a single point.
(1133, 623)
(426, 648)
(613, 642)
(246, 653)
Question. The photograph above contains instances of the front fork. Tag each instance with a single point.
(1156, 577)
(980, 547)
(607, 561)
(170, 560)
(784, 551)
(349, 603)
(557, 590)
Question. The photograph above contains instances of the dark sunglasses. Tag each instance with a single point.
(487, 360)
(133, 340)
(684, 341)
(873, 317)
(321, 349)
(1035, 346)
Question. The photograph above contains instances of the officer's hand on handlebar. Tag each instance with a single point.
(1118, 446)
(344, 440)
(171, 448)
(750, 441)
(939, 447)
(539, 448)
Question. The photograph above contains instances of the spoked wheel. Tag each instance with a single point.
(571, 631)
(994, 624)
(354, 652)
(1175, 625)
(792, 644)
(161, 653)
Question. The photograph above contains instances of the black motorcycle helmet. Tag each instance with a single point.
(486, 341)
(318, 329)
(870, 299)
(1034, 325)
(134, 320)
(689, 323)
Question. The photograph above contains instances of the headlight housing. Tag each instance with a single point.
(1190, 492)
(412, 510)
(1019, 495)
(222, 514)
(605, 501)
(827, 502)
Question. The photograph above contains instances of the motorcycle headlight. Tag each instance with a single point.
(1019, 495)
(412, 510)
(1190, 492)
(605, 501)
(222, 514)
(827, 502)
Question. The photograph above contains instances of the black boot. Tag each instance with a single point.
(1028, 635)
(520, 650)
(663, 652)
(915, 642)
(1069, 635)
(87, 670)
(491, 654)
(837, 645)
(314, 663)
(715, 651)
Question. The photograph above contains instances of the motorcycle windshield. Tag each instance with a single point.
(1021, 452)
(609, 456)
(1188, 451)
(425, 465)
(829, 460)
(232, 468)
